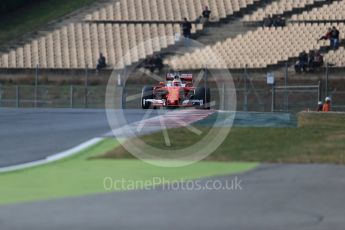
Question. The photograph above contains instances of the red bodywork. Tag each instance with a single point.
(169, 95)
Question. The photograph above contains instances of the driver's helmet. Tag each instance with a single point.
(177, 81)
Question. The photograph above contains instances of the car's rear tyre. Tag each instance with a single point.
(146, 93)
(203, 94)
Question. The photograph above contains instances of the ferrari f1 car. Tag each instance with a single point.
(178, 91)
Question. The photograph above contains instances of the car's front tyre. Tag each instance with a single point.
(146, 93)
(203, 94)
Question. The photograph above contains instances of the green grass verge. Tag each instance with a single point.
(79, 175)
(317, 119)
(284, 145)
(310, 144)
(33, 16)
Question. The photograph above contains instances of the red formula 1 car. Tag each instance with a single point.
(177, 91)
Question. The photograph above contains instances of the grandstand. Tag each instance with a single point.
(76, 46)
(118, 27)
(166, 10)
(259, 48)
(331, 12)
(278, 8)
(129, 31)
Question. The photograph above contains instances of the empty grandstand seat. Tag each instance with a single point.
(76, 46)
(166, 10)
(333, 11)
(262, 47)
(276, 8)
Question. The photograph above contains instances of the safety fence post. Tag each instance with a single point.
(273, 98)
(17, 96)
(71, 93)
(286, 92)
(36, 86)
(327, 76)
(245, 95)
(86, 87)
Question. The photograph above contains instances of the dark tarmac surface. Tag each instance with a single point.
(32, 134)
(273, 197)
(28, 135)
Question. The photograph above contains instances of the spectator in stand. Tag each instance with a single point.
(278, 21)
(268, 21)
(153, 62)
(302, 62)
(148, 63)
(282, 21)
(334, 38)
(311, 58)
(318, 60)
(206, 13)
(274, 20)
(101, 63)
(319, 106)
(158, 62)
(327, 36)
(199, 19)
(327, 105)
(186, 29)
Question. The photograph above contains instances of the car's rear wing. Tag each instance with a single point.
(185, 77)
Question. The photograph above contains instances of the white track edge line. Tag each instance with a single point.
(55, 157)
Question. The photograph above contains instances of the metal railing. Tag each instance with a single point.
(289, 99)
(24, 96)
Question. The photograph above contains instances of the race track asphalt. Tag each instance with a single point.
(32, 134)
(28, 135)
(273, 197)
